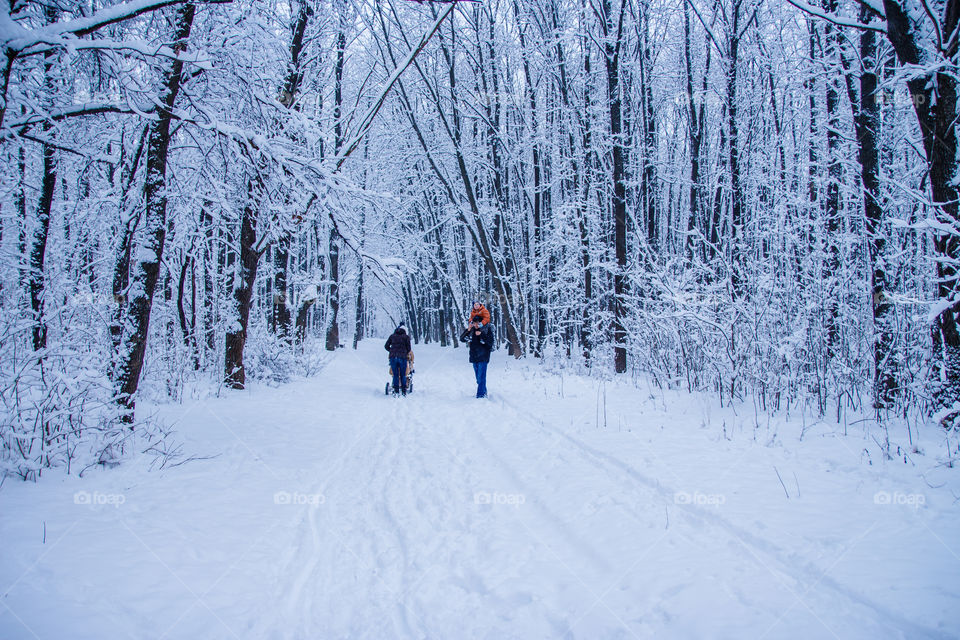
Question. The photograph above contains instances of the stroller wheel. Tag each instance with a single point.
(386, 390)
(410, 385)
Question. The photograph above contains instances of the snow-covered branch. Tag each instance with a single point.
(88, 109)
(16, 38)
(840, 21)
(364, 126)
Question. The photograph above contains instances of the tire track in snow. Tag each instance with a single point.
(387, 534)
(315, 553)
(556, 524)
(558, 535)
(362, 536)
(426, 502)
(428, 509)
(803, 572)
(361, 547)
(542, 535)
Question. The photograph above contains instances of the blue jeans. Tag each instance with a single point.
(480, 370)
(399, 368)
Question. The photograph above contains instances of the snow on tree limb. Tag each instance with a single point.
(385, 90)
(14, 37)
(86, 109)
(840, 21)
(141, 47)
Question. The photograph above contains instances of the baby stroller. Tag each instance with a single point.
(410, 371)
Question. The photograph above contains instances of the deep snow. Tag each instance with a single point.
(559, 507)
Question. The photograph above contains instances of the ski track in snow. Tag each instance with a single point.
(442, 516)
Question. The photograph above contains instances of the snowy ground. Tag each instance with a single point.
(561, 507)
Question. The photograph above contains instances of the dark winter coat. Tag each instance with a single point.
(398, 344)
(480, 345)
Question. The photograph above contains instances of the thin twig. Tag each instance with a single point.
(781, 483)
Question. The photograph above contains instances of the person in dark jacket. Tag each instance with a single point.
(480, 338)
(398, 344)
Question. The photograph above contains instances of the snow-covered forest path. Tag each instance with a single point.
(560, 507)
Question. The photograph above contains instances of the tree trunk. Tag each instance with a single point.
(832, 37)
(585, 196)
(185, 329)
(333, 328)
(280, 311)
(243, 280)
(648, 181)
(813, 191)
(360, 317)
(694, 138)
(20, 203)
(146, 270)
(538, 299)
(737, 266)
(612, 31)
(38, 248)
(358, 328)
(934, 96)
(865, 102)
(211, 267)
(301, 322)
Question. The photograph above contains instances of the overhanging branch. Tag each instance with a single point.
(367, 121)
(880, 27)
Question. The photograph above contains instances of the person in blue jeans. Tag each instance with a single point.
(480, 337)
(398, 344)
